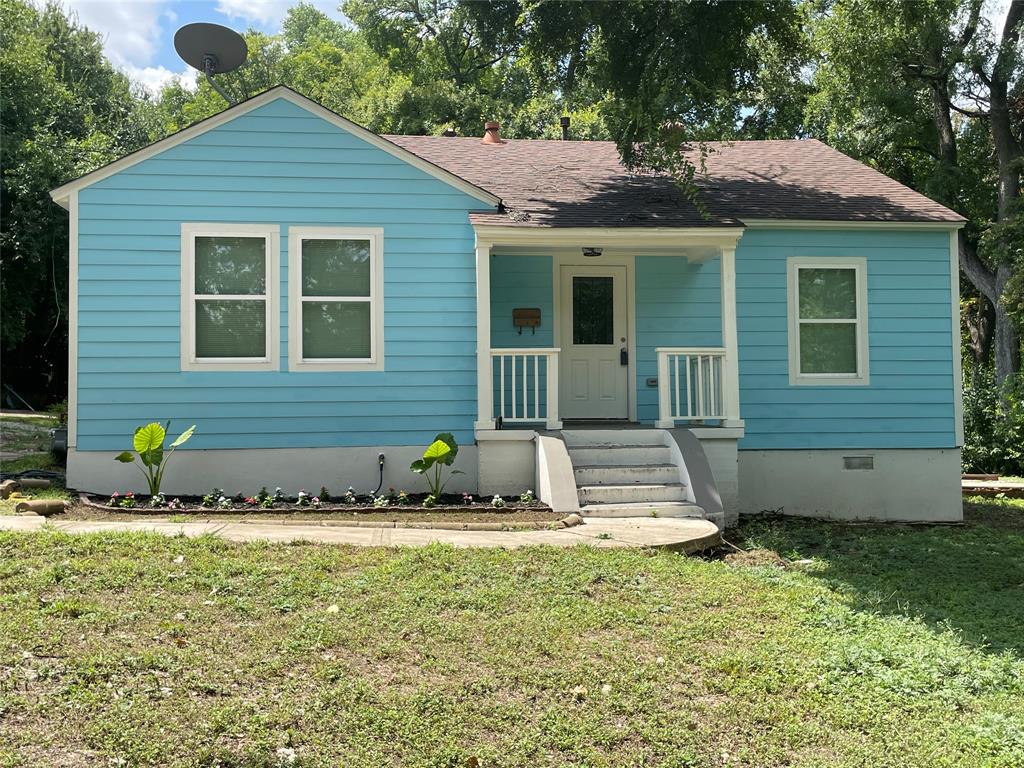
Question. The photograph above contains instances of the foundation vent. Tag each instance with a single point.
(858, 462)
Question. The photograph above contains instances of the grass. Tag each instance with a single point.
(26, 434)
(895, 646)
(30, 461)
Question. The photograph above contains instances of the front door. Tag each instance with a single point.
(594, 358)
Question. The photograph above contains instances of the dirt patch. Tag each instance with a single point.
(403, 515)
(755, 558)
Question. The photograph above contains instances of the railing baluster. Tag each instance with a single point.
(689, 387)
(713, 409)
(675, 388)
(512, 389)
(526, 400)
(700, 387)
(536, 387)
(501, 370)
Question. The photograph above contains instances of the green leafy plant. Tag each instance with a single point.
(148, 442)
(439, 454)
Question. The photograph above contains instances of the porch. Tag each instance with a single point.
(611, 327)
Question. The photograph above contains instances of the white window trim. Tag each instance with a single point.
(860, 267)
(272, 236)
(296, 361)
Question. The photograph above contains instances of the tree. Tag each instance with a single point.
(930, 93)
(64, 112)
(671, 74)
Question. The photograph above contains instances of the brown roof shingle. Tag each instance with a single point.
(584, 184)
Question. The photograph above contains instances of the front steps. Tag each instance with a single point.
(629, 473)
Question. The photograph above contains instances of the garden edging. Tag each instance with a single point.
(259, 518)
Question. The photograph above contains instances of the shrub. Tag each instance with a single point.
(994, 425)
(439, 454)
(148, 442)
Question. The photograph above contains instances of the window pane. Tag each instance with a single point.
(828, 348)
(231, 328)
(335, 267)
(828, 294)
(226, 265)
(335, 329)
(593, 310)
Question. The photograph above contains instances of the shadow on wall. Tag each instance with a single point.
(966, 578)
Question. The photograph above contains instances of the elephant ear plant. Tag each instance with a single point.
(148, 442)
(439, 454)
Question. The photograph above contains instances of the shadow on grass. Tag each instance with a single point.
(967, 578)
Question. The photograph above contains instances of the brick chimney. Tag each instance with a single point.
(492, 134)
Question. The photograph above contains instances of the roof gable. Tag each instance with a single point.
(63, 192)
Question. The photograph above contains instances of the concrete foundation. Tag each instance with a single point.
(192, 472)
(882, 484)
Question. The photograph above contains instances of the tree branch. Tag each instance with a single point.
(968, 112)
(983, 278)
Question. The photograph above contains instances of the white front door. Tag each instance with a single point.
(594, 358)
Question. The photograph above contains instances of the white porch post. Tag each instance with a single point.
(665, 420)
(731, 364)
(484, 385)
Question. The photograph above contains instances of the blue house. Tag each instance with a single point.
(313, 295)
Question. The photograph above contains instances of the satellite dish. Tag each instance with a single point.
(212, 49)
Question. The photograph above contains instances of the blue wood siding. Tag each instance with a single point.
(909, 402)
(521, 281)
(280, 165)
(678, 304)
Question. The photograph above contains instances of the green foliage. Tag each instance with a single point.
(439, 454)
(65, 112)
(148, 442)
(994, 425)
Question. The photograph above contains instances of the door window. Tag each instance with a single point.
(593, 310)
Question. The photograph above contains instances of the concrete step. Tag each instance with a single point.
(578, 438)
(620, 455)
(650, 474)
(643, 509)
(643, 493)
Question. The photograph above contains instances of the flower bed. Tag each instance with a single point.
(265, 502)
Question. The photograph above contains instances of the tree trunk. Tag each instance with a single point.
(980, 322)
(1007, 340)
(1008, 156)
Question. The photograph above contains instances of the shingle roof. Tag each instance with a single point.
(584, 184)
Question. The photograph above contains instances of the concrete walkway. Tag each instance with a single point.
(681, 534)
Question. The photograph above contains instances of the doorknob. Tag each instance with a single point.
(623, 356)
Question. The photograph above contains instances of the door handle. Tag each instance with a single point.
(623, 356)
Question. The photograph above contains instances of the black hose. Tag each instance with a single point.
(380, 463)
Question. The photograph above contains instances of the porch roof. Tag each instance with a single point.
(583, 184)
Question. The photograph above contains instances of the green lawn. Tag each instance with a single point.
(896, 646)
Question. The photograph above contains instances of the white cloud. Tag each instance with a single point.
(132, 29)
(153, 79)
(270, 13)
(263, 12)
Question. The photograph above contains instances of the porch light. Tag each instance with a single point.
(591, 253)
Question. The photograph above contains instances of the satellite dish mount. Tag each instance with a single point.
(212, 49)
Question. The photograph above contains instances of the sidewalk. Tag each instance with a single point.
(682, 534)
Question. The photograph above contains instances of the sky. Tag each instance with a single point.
(139, 34)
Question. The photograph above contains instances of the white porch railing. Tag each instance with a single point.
(692, 385)
(525, 384)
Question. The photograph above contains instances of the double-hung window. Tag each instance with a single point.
(335, 309)
(828, 323)
(228, 297)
